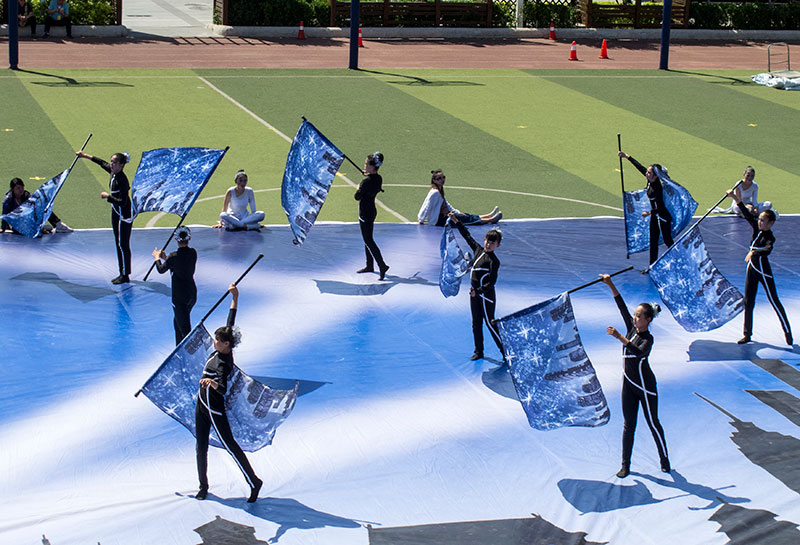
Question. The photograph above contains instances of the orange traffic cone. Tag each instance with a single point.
(360, 38)
(603, 51)
(301, 34)
(573, 51)
(552, 35)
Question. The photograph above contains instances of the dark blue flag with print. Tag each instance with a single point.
(692, 288)
(455, 263)
(555, 381)
(253, 409)
(678, 201)
(312, 164)
(170, 179)
(29, 217)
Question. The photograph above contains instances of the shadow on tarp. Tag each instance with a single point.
(602, 497)
(499, 380)
(287, 513)
(81, 292)
(525, 531)
(708, 350)
(679, 482)
(336, 287)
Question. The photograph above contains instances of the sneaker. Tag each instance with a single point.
(476, 356)
(121, 279)
(47, 229)
(201, 494)
(744, 340)
(254, 491)
(365, 270)
(383, 272)
(497, 217)
(62, 227)
(624, 471)
(494, 211)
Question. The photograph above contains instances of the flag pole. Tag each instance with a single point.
(221, 299)
(689, 230)
(622, 183)
(573, 290)
(183, 217)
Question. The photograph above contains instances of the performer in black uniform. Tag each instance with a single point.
(759, 269)
(639, 383)
(121, 215)
(210, 407)
(483, 276)
(660, 218)
(184, 291)
(367, 190)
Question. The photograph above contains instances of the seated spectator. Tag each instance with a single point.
(57, 15)
(234, 215)
(435, 209)
(16, 196)
(25, 16)
(747, 192)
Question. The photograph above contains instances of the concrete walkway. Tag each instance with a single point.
(181, 18)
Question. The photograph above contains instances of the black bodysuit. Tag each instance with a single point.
(483, 276)
(660, 218)
(638, 386)
(210, 411)
(182, 264)
(367, 190)
(760, 271)
(121, 215)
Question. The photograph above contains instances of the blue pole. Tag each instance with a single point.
(355, 15)
(666, 22)
(13, 35)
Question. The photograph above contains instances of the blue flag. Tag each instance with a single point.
(554, 379)
(310, 168)
(678, 201)
(170, 179)
(29, 217)
(253, 409)
(455, 263)
(692, 288)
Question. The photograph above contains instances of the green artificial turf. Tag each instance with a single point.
(537, 143)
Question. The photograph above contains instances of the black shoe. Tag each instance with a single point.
(476, 356)
(789, 339)
(624, 471)
(665, 467)
(365, 270)
(383, 272)
(254, 491)
(121, 279)
(201, 494)
(744, 340)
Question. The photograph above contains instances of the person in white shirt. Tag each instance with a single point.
(435, 208)
(235, 215)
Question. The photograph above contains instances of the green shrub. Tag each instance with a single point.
(278, 12)
(82, 12)
(745, 15)
(503, 15)
(540, 15)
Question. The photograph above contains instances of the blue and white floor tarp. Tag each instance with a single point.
(396, 436)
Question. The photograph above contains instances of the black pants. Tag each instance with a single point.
(662, 226)
(204, 420)
(632, 396)
(482, 310)
(752, 279)
(370, 248)
(31, 22)
(182, 319)
(65, 21)
(122, 237)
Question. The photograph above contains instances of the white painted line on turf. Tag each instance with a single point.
(279, 133)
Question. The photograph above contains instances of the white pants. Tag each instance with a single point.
(250, 221)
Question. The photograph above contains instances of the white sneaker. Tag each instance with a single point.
(47, 229)
(62, 227)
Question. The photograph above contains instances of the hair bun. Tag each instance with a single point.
(127, 157)
(656, 308)
(377, 158)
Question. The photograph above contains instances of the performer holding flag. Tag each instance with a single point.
(121, 213)
(660, 218)
(639, 383)
(181, 264)
(758, 268)
(367, 190)
(210, 408)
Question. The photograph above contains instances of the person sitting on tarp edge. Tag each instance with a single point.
(17, 195)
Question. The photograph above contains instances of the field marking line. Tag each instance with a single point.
(289, 140)
(428, 78)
